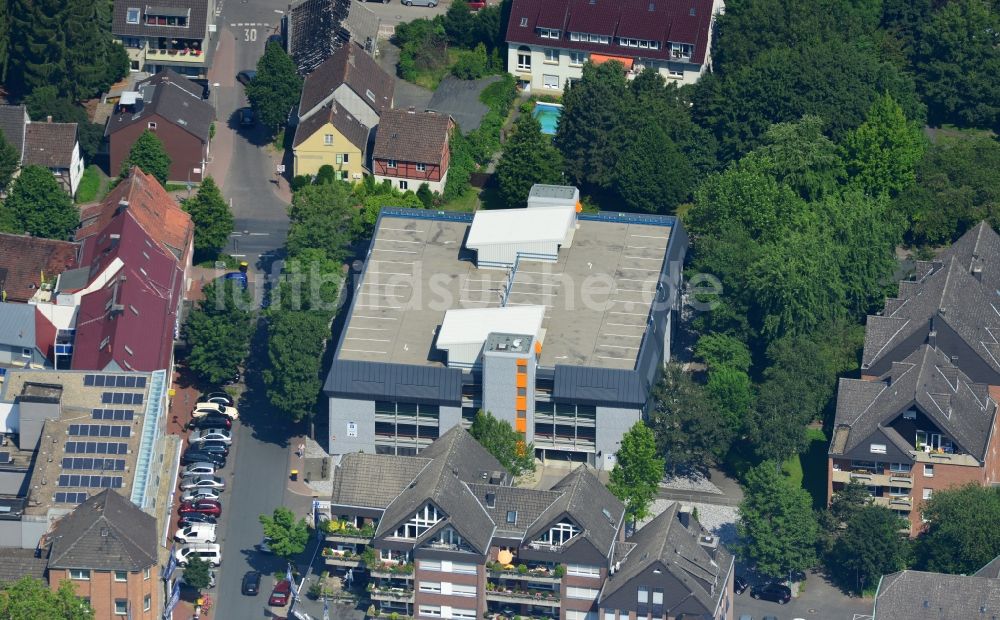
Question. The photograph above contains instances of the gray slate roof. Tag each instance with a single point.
(465, 457)
(666, 541)
(979, 248)
(528, 504)
(419, 137)
(585, 500)
(373, 480)
(16, 563)
(399, 382)
(106, 532)
(13, 121)
(991, 570)
(926, 377)
(947, 293)
(916, 595)
(196, 10)
(50, 145)
(353, 66)
(17, 325)
(173, 97)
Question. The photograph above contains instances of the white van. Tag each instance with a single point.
(210, 553)
(196, 533)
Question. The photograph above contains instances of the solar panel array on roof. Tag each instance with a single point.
(99, 430)
(118, 415)
(92, 463)
(121, 398)
(91, 482)
(70, 498)
(125, 381)
(95, 447)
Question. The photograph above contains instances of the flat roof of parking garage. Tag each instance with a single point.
(597, 295)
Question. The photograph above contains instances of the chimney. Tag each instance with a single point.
(684, 516)
(411, 110)
(888, 381)
(48, 119)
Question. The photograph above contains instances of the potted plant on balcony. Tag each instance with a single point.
(560, 570)
(184, 52)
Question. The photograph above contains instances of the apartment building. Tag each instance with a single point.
(446, 535)
(923, 415)
(549, 41)
(554, 320)
(171, 34)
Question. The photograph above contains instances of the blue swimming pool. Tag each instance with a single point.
(548, 115)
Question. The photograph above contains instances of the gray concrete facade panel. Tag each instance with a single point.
(612, 423)
(349, 417)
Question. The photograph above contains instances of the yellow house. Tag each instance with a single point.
(331, 135)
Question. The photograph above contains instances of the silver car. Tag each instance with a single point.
(201, 468)
(203, 482)
(429, 3)
(211, 434)
(193, 495)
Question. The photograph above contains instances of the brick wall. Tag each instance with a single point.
(103, 590)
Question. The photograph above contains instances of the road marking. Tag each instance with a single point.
(377, 318)
(364, 351)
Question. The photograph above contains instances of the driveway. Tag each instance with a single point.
(405, 95)
(460, 99)
(819, 599)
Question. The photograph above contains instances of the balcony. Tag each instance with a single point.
(879, 478)
(392, 570)
(338, 557)
(545, 598)
(378, 593)
(897, 502)
(537, 574)
(173, 56)
(341, 531)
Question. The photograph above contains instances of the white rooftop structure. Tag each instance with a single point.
(552, 196)
(499, 236)
(129, 97)
(465, 330)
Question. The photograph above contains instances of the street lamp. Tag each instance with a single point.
(215, 91)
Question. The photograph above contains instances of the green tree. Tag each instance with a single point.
(962, 532)
(40, 206)
(653, 184)
(799, 155)
(295, 344)
(288, 537)
(690, 431)
(213, 221)
(848, 501)
(218, 331)
(309, 281)
(46, 101)
(10, 161)
(196, 573)
(638, 470)
(588, 135)
(37, 45)
(528, 158)
(459, 24)
(31, 599)
(870, 546)
(473, 64)
(504, 443)
(94, 61)
(425, 195)
(723, 351)
(732, 394)
(325, 174)
(957, 60)
(276, 87)
(776, 523)
(323, 217)
(148, 154)
(883, 152)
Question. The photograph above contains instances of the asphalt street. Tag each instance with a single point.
(818, 600)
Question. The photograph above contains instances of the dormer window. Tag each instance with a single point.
(524, 22)
(584, 37)
(560, 533)
(681, 50)
(548, 33)
(132, 16)
(423, 520)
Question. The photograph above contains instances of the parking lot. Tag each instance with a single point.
(818, 599)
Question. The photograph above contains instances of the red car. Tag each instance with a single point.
(475, 5)
(202, 506)
(279, 595)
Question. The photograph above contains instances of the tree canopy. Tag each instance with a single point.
(276, 87)
(504, 443)
(196, 573)
(323, 217)
(29, 598)
(638, 470)
(528, 158)
(962, 532)
(213, 221)
(149, 155)
(869, 547)
(883, 152)
(10, 161)
(218, 331)
(40, 207)
(288, 537)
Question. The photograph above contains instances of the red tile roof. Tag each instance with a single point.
(418, 137)
(666, 21)
(154, 209)
(129, 323)
(24, 259)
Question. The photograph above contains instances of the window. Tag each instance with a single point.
(551, 81)
(552, 56)
(464, 568)
(147, 602)
(898, 491)
(577, 58)
(560, 533)
(877, 448)
(430, 586)
(899, 467)
(26, 352)
(79, 574)
(391, 164)
(421, 167)
(928, 493)
(404, 185)
(423, 520)
(657, 596)
(432, 611)
(675, 72)
(121, 575)
(344, 175)
(524, 22)
(583, 570)
(524, 58)
(132, 16)
(681, 50)
(511, 516)
(121, 607)
(548, 33)
(340, 158)
(145, 574)
(328, 139)
(465, 614)
(458, 589)
(643, 597)
(928, 471)
(151, 125)
(609, 615)
(587, 594)
(347, 157)
(432, 565)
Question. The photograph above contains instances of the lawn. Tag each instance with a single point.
(430, 78)
(811, 466)
(469, 201)
(93, 185)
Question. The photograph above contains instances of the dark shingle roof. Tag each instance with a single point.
(991, 570)
(173, 97)
(947, 293)
(351, 128)
(979, 248)
(465, 457)
(373, 480)
(13, 121)
(927, 377)
(16, 563)
(50, 145)
(419, 137)
(666, 541)
(24, 259)
(589, 504)
(196, 11)
(527, 504)
(106, 532)
(400, 382)
(916, 595)
(351, 65)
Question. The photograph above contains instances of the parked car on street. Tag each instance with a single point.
(204, 468)
(280, 594)
(195, 454)
(740, 585)
(221, 398)
(194, 495)
(203, 506)
(246, 117)
(251, 583)
(427, 3)
(203, 409)
(196, 533)
(202, 482)
(210, 553)
(211, 421)
(213, 447)
(475, 5)
(211, 434)
(196, 517)
(774, 592)
(245, 77)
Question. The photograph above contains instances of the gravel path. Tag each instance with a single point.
(720, 520)
(692, 482)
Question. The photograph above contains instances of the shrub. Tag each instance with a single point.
(472, 65)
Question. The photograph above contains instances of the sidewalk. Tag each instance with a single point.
(223, 73)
